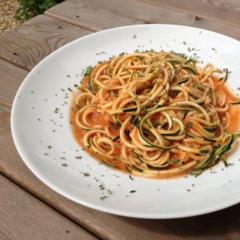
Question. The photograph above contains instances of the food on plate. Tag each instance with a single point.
(156, 114)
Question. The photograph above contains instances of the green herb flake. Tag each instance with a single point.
(78, 157)
(64, 164)
(109, 191)
(85, 174)
(226, 164)
(132, 191)
(121, 54)
(56, 110)
(96, 179)
(88, 71)
(103, 197)
(130, 177)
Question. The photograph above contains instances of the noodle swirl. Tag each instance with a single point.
(155, 114)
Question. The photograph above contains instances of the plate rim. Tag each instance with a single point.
(48, 183)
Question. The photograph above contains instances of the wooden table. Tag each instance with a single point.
(29, 209)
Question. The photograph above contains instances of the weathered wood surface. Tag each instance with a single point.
(93, 18)
(104, 225)
(34, 40)
(10, 79)
(22, 216)
(225, 11)
(147, 11)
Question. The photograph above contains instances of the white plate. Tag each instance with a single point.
(33, 122)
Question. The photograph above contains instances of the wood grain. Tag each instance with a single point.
(24, 217)
(224, 224)
(35, 39)
(219, 10)
(93, 18)
(10, 79)
(147, 12)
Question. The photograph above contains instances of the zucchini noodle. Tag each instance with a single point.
(155, 114)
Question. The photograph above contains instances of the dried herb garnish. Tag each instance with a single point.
(88, 71)
(85, 174)
(132, 191)
(56, 110)
(103, 197)
(130, 177)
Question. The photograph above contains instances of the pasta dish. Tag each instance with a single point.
(155, 114)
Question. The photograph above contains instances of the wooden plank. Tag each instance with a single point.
(24, 217)
(127, 9)
(10, 79)
(82, 14)
(148, 12)
(224, 224)
(219, 10)
(35, 39)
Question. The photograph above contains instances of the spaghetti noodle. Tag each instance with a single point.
(155, 114)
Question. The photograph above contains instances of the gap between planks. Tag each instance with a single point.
(36, 39)
(18, 184)
(221, 11)
(77, 221)
(139, 10)
(18, 74)
(21, 205)
(98, 223)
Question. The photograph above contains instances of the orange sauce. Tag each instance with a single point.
(79, 133)
(234, 112)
